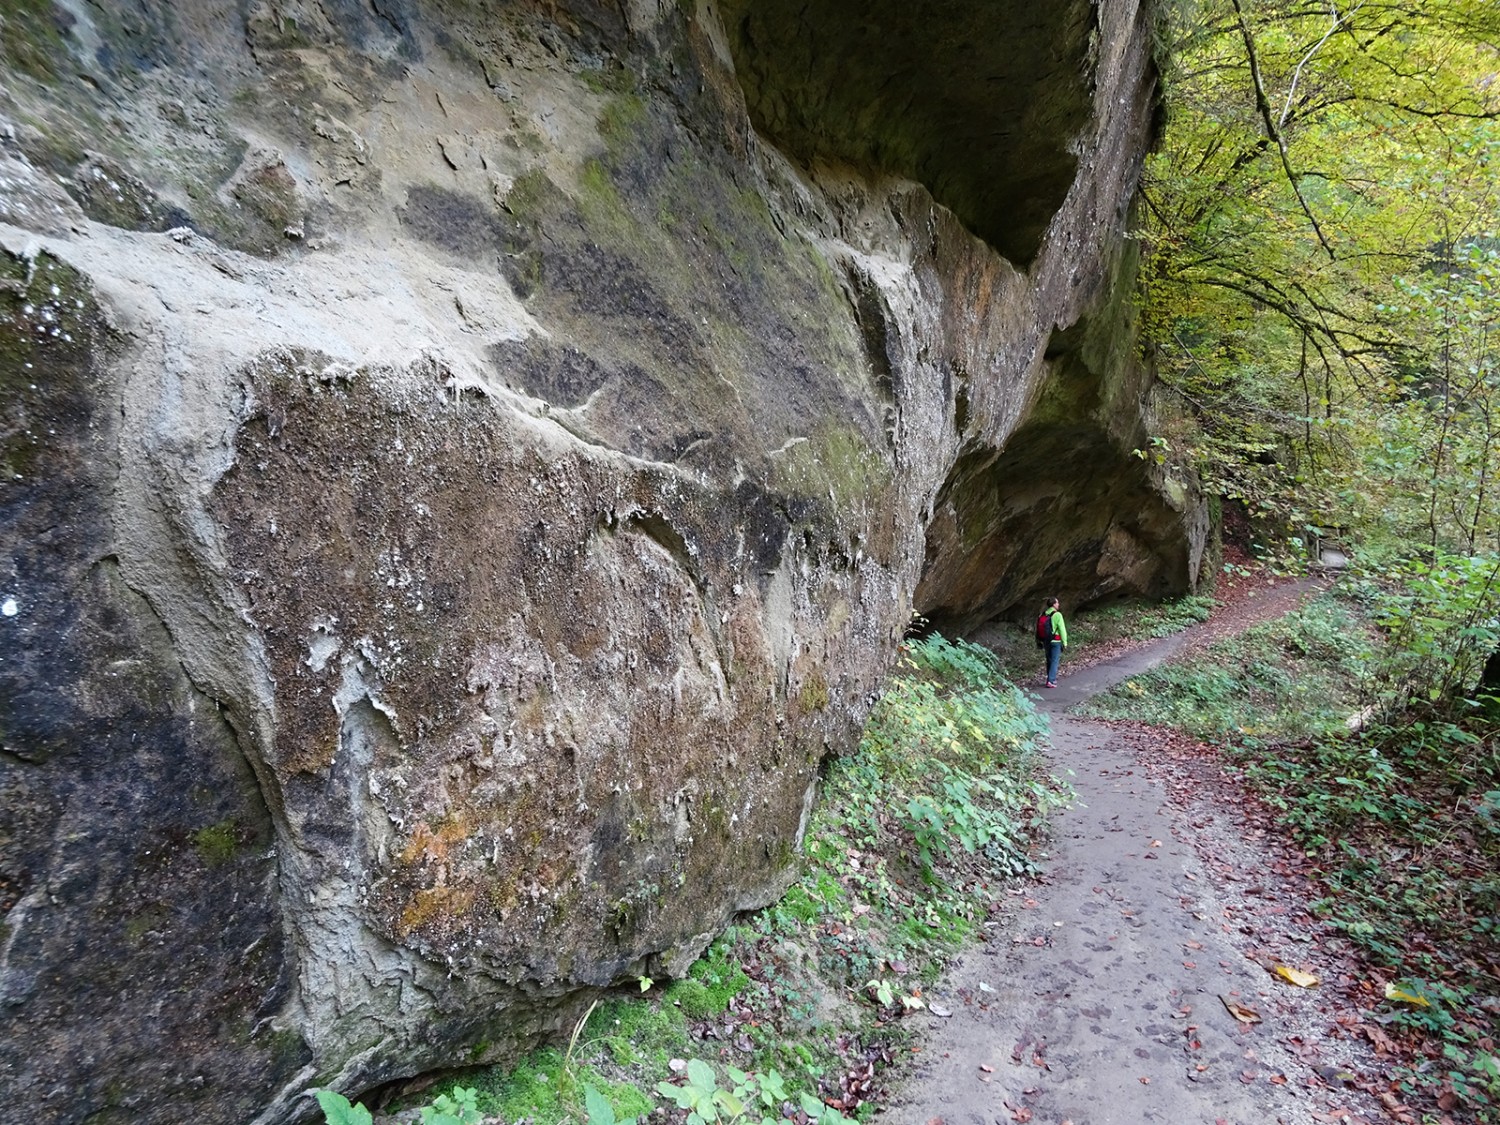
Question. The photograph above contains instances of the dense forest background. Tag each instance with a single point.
(1322, 303)
(1321, 294)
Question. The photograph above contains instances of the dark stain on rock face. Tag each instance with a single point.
(563, 376)
(767, 522)
(619, 406)
(460, 225)
(134, 844)
(874, 324)
(674, 278)
(392, 18)
(603, 283)
(136, 36)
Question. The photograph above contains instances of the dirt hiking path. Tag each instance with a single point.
(1105, 997)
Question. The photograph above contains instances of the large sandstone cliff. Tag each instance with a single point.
(463, 464)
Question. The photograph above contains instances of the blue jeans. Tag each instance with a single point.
(1054, 657)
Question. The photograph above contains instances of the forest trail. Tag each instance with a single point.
(1104, 997)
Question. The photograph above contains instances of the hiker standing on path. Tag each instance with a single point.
(1051, 625)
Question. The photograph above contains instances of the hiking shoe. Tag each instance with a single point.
(1051, 683)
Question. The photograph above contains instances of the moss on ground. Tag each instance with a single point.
(31, 42)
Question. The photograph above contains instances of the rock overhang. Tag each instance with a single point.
(981, 103)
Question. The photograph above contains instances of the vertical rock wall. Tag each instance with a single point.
(462, 466)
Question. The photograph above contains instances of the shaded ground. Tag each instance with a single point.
(1109, 996)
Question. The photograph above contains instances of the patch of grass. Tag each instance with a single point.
(1140, 619)
(534, 1088)
(1291, 678)
(637, 1033)
(720, 975)
(912, 845)
(30, 41)
(621, 120)
(217, 843)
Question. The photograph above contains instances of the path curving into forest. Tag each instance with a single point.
(1105, 996)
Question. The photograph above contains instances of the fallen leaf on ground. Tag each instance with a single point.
(986, 1068)
(1239, 1011)
(1394, 991)
(1295, 976)
(938, 1010)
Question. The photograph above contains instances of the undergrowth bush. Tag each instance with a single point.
(1441, 618)
(913, 842)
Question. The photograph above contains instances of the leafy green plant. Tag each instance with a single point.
(1442, 621)
(600, 1111)
(455, 1108)
(750, 1098)
(337, 1109)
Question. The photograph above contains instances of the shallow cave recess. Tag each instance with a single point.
(1053, 514)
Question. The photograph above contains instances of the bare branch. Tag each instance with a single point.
(1263, 105)
(1291, 92)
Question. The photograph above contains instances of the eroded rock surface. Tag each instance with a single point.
(458, 478)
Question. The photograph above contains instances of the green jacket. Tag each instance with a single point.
(1059, 626)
